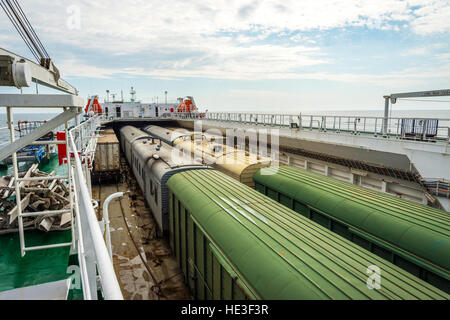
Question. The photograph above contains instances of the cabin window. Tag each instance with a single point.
(320, 219)
(272, 194)
(301, 208)
(284, 200)
(361, 242)
(259, 187)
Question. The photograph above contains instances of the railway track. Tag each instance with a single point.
(144, 265)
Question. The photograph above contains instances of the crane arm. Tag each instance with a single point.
(19, 71)
(419, 94)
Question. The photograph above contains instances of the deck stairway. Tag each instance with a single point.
(21, 182)
(57, 265)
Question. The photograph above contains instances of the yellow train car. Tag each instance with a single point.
(238, 164)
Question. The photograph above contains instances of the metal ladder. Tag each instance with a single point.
(18, 181)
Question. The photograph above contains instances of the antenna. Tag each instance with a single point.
(133, 94)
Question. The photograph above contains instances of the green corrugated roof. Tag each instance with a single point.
(416, 228)
(282, 255)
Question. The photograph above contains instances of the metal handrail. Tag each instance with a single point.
(354, 125)
(96, 255)
(80, 247)
(106, 220)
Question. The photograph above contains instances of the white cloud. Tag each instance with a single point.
(217, 38)
(133, 25)
(418, 51)
(444, 56)
(395, 80)
(75, 68)
(433, 17)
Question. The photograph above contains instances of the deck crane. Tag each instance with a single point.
(17, 71)
(392, 98)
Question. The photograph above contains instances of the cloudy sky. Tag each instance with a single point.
(260, 55)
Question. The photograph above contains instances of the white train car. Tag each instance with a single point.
(152, 164)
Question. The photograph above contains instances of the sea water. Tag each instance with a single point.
(5, 135)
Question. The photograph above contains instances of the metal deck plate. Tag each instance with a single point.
(36, 267)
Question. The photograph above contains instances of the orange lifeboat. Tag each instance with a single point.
(187, 105)
(93, 106)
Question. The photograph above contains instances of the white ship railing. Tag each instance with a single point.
(354, 125)
(96, 267)
(92, 252)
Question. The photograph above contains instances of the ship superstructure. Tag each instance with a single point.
(137, 109)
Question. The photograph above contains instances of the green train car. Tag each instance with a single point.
(413, 236)
(234, 243)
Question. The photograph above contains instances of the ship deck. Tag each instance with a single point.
(144, 265)
(36, 267)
